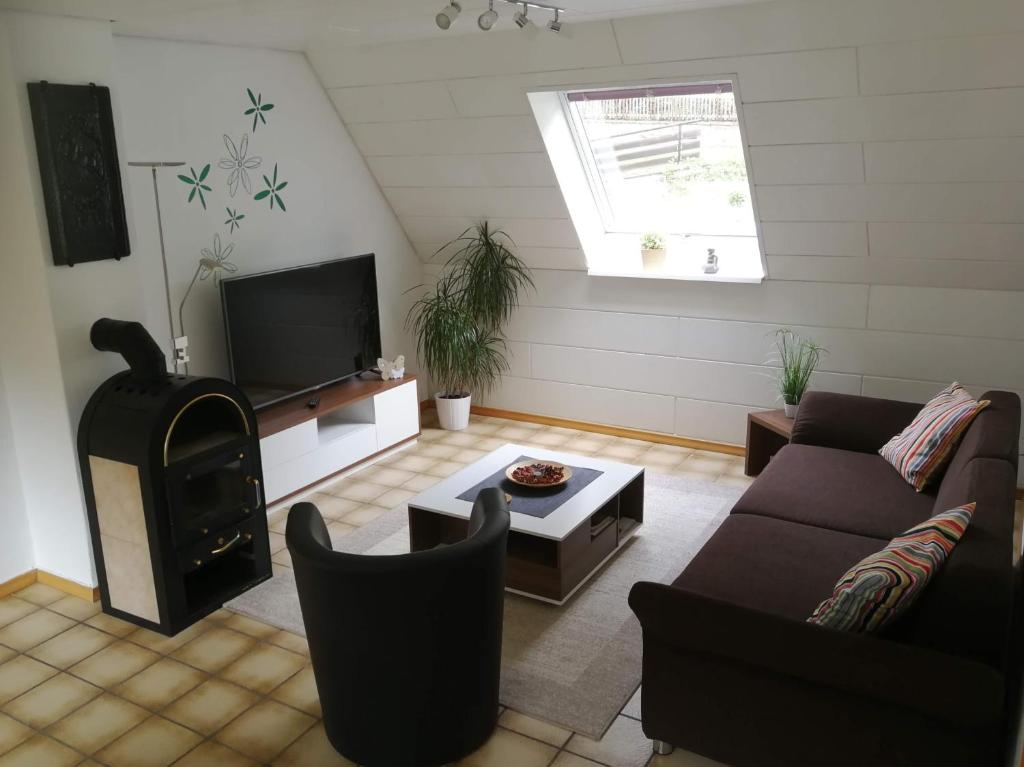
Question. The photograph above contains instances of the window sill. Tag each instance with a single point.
(739, 259)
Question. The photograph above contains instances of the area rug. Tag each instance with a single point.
(575, 665)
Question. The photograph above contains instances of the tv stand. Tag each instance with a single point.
(306, 441)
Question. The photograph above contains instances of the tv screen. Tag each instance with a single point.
(295, 330)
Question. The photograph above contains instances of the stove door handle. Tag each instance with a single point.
(228, 545)
(259, 490)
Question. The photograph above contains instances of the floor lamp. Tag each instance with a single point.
(163, 251)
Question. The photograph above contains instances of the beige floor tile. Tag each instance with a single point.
(438, 450)
(33, 629)
(363, 515)
(469, 455)
(75, 608)
(507, 747)
(313, 748)
(623, 745)
(164, 681)
(111, 625)
(681, 758)
(210, 706)
(247, 625)
(534, 728)
(290, 641)
(391, 477)
(278, 521)
(445, 468)
(463, 439)
(277, 541)
(40, 594)
(363, 492)
(706, 462)
(333, 506)
(211, 754)
(421, 482)
(620, 450)
(114, 663)
(12, 609)
(156, 742)
(300, 692)
(20, 675)
(6, 653)
(731, 481)
(394, 497)
(565, 759)
(283, 558)
(263, 668)
(40, 751)
(340, 529)
(71, 646)
(214, 649)
(54, 699)
(265, 730)
(97, 723)
(12, 733)
(165, 644)
(416, 463)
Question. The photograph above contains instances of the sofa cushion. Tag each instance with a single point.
(837, 489)
(921, 451)
(881, 587)
(773, 566)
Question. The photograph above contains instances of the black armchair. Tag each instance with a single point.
(406, 649)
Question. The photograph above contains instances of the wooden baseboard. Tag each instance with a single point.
(88, 593)
(600, 428)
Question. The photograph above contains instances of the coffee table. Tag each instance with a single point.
(549, 557)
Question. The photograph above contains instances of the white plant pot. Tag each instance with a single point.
(790, 410)
(654, 259)
(453, 412)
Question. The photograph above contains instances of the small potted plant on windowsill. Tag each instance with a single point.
(799, 357)
(458, 326)
(652, 251)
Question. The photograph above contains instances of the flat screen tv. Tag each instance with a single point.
(295, 330)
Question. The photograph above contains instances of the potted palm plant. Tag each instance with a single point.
(459, 325)
(798, 357)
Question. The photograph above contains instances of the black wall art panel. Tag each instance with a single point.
(74, 130)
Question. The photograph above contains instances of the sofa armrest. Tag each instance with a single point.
(850, 422)
(944, 687)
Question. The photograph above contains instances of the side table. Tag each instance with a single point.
(768, 431)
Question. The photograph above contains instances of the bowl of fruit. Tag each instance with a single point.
(536, 473)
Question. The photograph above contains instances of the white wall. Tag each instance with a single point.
(16, 556)
(45, 311)
(887, 139)
(179, 99)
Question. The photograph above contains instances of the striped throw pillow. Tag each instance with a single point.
(882, 586)
(920, 452)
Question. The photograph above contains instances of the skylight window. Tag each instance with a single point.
(655, 159)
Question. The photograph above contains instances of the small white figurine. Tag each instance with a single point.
(389, 370)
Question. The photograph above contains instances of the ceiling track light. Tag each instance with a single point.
(488, 18)
(448, 15)
(519, 17)
(555, 25)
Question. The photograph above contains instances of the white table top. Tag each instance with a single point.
(443, 498)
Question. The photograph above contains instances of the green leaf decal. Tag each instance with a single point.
(204, 172)
(195, 182)
(273, 191)
(261, 195)
(257, 109)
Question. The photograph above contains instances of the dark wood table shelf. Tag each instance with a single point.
(768, 431)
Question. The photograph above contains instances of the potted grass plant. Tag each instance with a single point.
(798, 358)
(652, 251)
(459, 325)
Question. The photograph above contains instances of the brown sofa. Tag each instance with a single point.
(731, 668)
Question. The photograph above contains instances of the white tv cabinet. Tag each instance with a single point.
(305, 440)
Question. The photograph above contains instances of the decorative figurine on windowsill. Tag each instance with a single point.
(711, 265)
(389, 370)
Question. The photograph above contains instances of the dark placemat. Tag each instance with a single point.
(534, 501)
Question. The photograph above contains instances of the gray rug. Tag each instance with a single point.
(575, 665)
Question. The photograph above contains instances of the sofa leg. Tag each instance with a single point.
(662, 748)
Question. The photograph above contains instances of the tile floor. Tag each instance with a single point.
(81, 688)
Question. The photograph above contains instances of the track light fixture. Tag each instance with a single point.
(487, 18)
(555, 25)
(448, 15)
(519, 17)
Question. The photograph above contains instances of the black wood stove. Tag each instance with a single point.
(173, 486)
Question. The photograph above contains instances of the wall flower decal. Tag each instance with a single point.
(234, 219)
(196, 182)
(272, 190)
(215, 259)
(238, 163)
(257, 109)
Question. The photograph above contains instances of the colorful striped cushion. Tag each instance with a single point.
(882, 586)
(921, 450)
